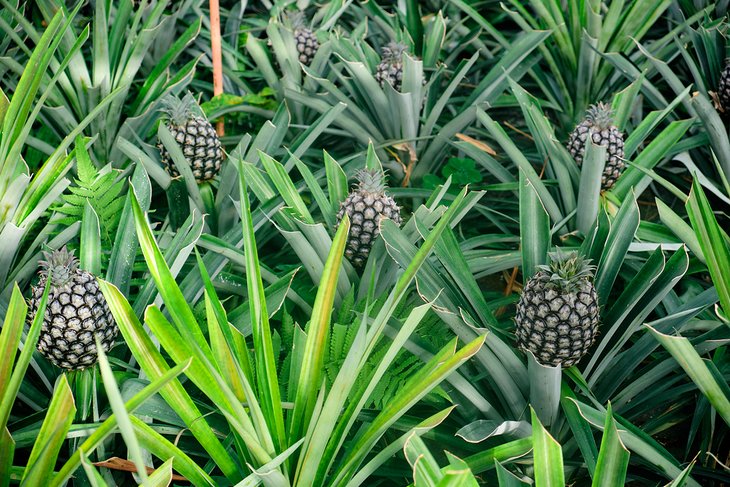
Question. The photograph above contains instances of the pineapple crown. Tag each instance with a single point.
(59, 266)
(600, 115)
(370, 181)
(296, 19)
(567, 271)
(393, 51)
(178, 110)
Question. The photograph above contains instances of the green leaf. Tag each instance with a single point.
(426, 470)
(7, 450)
(95, 478)
(697, 370)
(613, 458)
(534, 229)
(9, 389)
(311, 368)
(547, 456)
(265, 362)
(178, 307)
(484, 460)
(620, 237)
(285, 187)
(90, 255)
(712, 241)
(161, 477)
(523, 164)
(589, 193)
(336, 180)
(507, 478)
(544, 389)
(51, 436)
(155, 367)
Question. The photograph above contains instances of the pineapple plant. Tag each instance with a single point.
(598, 124)
(76, 311)
(196, 137)
(305, 39)
(366, 206)
(390, 69)
(557, 315)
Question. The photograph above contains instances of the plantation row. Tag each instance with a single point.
(438, 243)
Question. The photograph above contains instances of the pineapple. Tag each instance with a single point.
(557, 315)
(599, 124)
(723, 90)
(305, 39)
(76, 311)
(365, 206)
(390, 69)
(195, 136)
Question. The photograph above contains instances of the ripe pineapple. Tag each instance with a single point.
(557, 315)
(390, 69)
(195, 136)
(365, 206)
(599, 124)
(76, 311)
(306, 40)
(723, 89)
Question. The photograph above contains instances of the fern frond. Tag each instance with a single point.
(103, 189)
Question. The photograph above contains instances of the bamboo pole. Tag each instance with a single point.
(215, 45)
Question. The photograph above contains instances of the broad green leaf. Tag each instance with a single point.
(712, 241)
(154, 366)
(613, 457)
(285, 187)
(387, 452)
(534, 228)
(580, 428)
(52, 435)
(637, 442)
(265, 362)
(523, 164)
(12, 385)
(7, 451)
(94, 477)
(120, 412)
(620, 236)
(544, 389)
(10, 335)
(178, 307)
(90, 255)
(507, 478)
(161, 477)
(311, 369)
(162, 448)
(484, 460)
(426, 470)
(109, 425)
(696, 368)
(589, 193)
(547, 456)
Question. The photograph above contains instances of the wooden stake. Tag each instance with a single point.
(215, 47)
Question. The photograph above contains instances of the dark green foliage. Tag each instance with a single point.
(463, 171)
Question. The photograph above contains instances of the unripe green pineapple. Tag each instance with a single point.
(366, 206)
(598, 124)
(196, 137)
(723, 89)
(390, 69)
(75, 312)
(557, 315)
